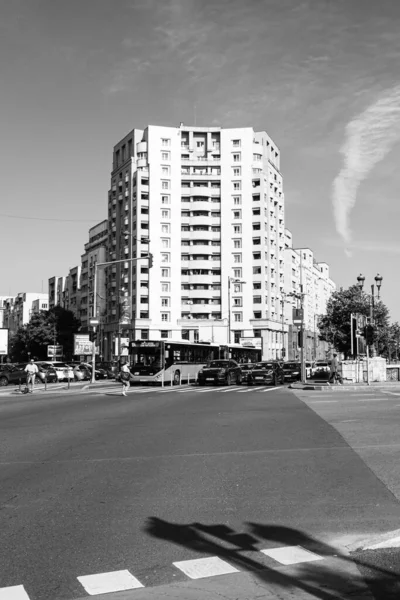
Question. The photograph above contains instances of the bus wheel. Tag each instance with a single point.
(177, 376)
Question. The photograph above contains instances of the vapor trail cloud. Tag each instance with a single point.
(369, 138)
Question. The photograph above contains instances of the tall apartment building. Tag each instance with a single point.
(3, 300)
(18, 310)
(72, 291)
(95, 252)
(56, 291)
(304, 274)
(208, 204)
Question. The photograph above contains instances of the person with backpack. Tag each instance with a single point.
(125, 376)
(334, 370)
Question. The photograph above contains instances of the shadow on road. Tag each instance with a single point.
(319, 578)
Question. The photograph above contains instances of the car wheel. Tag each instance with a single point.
(3, 381)
(229, 379)
(177, 376)
(239, 379)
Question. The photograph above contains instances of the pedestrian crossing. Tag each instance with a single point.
(189, 389)
(195, 568)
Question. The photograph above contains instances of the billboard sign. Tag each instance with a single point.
(82, 344)
(124, 346)
(54, 351)
(124, 310)
(251, 342)
(298, 314)
(3, 342)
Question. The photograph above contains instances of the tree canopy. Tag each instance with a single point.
(46, 327)
(335, 326)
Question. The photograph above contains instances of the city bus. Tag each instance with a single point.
(171, 362)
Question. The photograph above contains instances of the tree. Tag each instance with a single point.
(55, 325)
(334, 327)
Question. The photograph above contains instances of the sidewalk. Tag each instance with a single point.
(13, 390)
(345, 387)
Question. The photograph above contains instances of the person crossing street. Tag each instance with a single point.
(31, 370)
(334, 371)
(125, 376)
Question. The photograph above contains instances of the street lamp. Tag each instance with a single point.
(378, 282)
(231, 280)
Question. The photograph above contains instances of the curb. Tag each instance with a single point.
(344, 387)
(390, 539)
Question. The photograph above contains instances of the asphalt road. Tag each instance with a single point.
(94, 482)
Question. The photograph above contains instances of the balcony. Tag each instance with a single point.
(141, 163)
(199, 205)
(120, 196)
(201, 235)
(200, 293)
(114, 201)
(126, 193)
(205, 279)
(141, 147)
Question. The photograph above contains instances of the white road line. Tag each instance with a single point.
(199, 568)
(322, 401)
(104, 583)
(271, 389)
(251, 389)
(230, 389)
(15, 592)
(391, 393)
(291, 555)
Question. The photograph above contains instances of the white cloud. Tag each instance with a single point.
(369, 138)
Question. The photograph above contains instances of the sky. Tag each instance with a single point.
(320, 76)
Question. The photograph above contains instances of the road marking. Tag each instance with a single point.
(15, 592)
(393, 543)
(205, 567)
(271, 389)
(391, 393)
(251, 389)
(104, 583)
(230, 389)
(323, 401)
(291, 555)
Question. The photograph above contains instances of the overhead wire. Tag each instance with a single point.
(48, 219)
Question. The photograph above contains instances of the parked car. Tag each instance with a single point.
(227, 372)
(246, 369)
(321, 368)
(81, 372)
(292, 371)
(310, 369)
(111, 368)
(11, 373)
(269, 372)
(64, 371)
(99, 373)
(45, 371)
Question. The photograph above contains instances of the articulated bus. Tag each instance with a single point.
(170, 362)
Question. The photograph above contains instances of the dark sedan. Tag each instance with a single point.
(11, 373)
(266, 373)
(227, 372)
(292, 371)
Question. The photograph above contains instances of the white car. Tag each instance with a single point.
(321, 367)
(64, 371)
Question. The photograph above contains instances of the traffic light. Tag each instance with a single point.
(150, 260)
(300, 339)
(369, 334)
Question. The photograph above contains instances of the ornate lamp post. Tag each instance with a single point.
(378, 283)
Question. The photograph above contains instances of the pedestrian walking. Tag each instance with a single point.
(125, 376)
(31, 369)
(334, 370)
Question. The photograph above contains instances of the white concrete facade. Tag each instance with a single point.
(95, 252)
(211, 202)
(18, 310)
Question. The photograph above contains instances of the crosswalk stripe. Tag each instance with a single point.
(271, 389)
(250, 389)
(230, 389)
(15, 592)
(199, 568)
(105, 583)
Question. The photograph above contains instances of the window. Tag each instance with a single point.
(236, 143)
(256, 299)
(256, 255)
(237, 258)
(237, 302)
(164, 334)
(236, 157)
(144, 225)
(165, 156)
(237, 214)
(165, 200)
(237, 273)
(165, 302)
(165, 185)
(256, 241)
(165, 272)
(237, 288)
(165, 214)
(237, 185)
(237, 172)
(237, 229)
(144, 334)
(144, 314)
(165, 257)
(166, 243)
(238, 317)
(237, 200)
(200, 144)
(256, 157)
(165, 228)
(237, 243)
(144, 299)
(257, 285)
(256, 211)
(256, 270)
(257, 333)
(165, 316)
(165, 287)
(143, 270)
(256, 226)
(165, 170)
(257, 315)
(165, 142)
(144, 210)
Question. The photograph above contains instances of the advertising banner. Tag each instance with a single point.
(54, 351)
(251, 342)
(82, 344)
(3, 342)
(124, 347)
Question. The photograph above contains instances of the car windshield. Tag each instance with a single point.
(264, 366)
(247, 367)
(291, 365)
(218, 364)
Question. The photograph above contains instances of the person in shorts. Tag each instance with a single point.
(125, 376)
